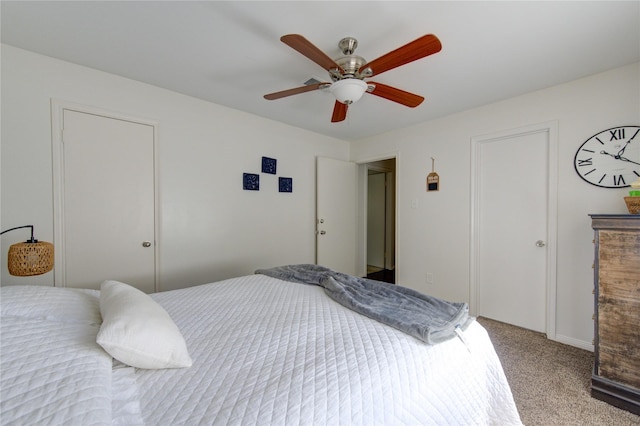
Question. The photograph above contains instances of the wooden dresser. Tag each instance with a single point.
(616, 371)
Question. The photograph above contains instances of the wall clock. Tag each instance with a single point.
(610, 158)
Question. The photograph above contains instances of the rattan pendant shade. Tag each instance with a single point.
(26, 259)
(31, 257)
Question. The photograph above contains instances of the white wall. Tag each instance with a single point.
(210, 228)
(435, 237)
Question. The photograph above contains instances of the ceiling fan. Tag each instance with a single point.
(347, 73)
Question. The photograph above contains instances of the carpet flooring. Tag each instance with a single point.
(550, 381)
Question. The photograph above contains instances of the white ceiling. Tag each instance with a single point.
(229, 53)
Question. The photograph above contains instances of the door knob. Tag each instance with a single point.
(146, 244)
(540, 243)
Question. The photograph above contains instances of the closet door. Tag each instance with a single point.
(514, 227)
(107, 207)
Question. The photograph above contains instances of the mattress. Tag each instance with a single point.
(267, 351)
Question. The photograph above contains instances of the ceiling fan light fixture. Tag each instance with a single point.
(348, 90)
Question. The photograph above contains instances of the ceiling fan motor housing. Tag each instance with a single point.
(350, 63)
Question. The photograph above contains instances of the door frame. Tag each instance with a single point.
(58, 106)
(551, 128)
(363, 169)
(389, 196)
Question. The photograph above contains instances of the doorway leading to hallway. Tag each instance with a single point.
(380, 213)
(342, 217)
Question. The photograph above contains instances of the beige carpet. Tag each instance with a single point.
(550, 381)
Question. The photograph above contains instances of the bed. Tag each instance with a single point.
(255, 350)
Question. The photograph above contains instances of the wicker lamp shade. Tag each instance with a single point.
(26, 259)
(32, 257)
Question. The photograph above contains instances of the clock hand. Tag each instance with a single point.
(618, 157)
(623, 148)
(626, 159)
(625, 145)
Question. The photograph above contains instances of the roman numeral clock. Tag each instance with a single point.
(610, 158)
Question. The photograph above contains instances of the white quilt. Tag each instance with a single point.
(271, 352)
(52, 370)
(265, 352)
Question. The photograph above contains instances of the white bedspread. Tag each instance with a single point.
(53, 372)
(265, 352)
(271, 352)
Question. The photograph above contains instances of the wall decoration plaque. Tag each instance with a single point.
(250, 182)
(285, 184)
(269, 165)
(433, 180)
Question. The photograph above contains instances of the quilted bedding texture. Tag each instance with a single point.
(52, 370)
(266, 351)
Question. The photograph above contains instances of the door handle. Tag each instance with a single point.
(146, 244)
(540, 243)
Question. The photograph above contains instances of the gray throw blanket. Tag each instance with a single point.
(427, 318)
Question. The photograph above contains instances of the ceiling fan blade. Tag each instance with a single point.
(308, 49)
(417, 49)
(339, 112)
(294, 91)
(396, 95)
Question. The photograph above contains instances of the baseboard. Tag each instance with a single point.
(587, 346)
(615, 394)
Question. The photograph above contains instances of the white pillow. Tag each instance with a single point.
(137, 331)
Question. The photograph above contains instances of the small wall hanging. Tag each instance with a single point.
(433, 180)
(250, 182)
(285, 184)
(269, 165)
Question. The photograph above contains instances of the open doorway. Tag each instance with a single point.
(381, 202)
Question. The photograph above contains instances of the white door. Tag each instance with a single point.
(512, 228)
(107, 202)
(336, 205)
